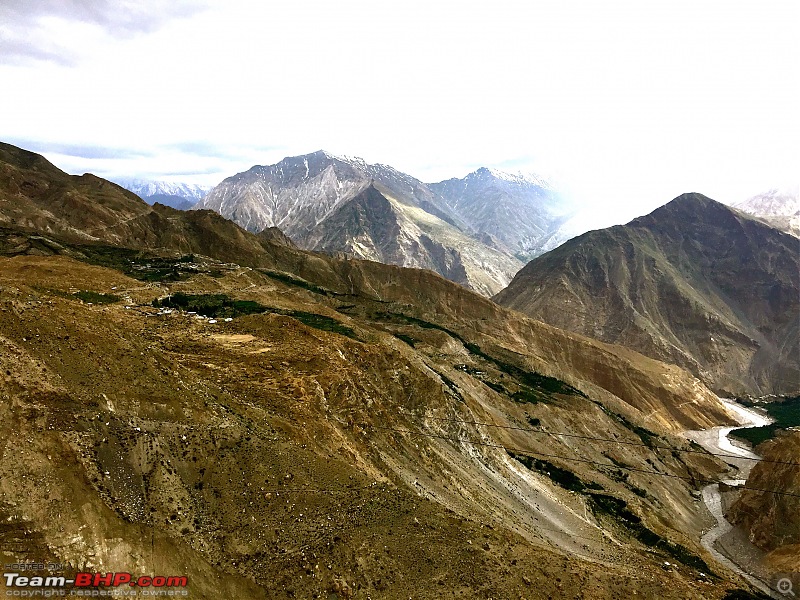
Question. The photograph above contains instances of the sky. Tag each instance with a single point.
(623, 104)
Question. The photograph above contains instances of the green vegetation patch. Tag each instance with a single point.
(618, 509)
(786, 413)
(222, 305)
(481, 376)
(139, 265)
(319, 322)
(407, 339)
(534, 387)
(530, 396)
(210, 305)
(297, 282)
(95, 297)
(528, 378)
(495, 386)
(566, 479)
(405, 319)
(645, 435)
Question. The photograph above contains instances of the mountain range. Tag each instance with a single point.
(694, 283)
(274, 422)
(178, 195)
(475, 231)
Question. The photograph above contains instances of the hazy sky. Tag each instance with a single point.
(625, 102)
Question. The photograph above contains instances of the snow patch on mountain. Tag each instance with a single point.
(520, 178)
(323, 202)
(779, 207)
(520, 213)
(152, 187)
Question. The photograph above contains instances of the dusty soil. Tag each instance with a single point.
(266, 457)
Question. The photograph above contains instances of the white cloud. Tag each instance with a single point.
(630, 103)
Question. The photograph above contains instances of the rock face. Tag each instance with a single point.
(521, 213)
(335, 204)
(777, 207)
(772, 521)
(694, 283)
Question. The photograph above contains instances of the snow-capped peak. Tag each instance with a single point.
(152, 187)
(773, 203)
(517, 178)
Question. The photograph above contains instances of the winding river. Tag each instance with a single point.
(716, 440)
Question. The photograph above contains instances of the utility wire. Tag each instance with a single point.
(600, 439)
(385, 488)
(533, 454)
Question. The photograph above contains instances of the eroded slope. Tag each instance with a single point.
(268, 454)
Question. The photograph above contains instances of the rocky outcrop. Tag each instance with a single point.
(772, 521)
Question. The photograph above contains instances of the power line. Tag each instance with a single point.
(533, 454)
(302, 490)
(600, 439)
(384, 488)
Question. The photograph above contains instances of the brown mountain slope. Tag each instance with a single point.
(369, 431)
(693, 283)
(665, 395)
(282, 456)
(37, 196)
(654, 389)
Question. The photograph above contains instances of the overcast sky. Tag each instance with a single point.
(630, 103)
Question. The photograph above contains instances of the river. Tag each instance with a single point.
(716, 440)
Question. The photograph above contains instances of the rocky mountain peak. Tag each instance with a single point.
(694, 283)
(343, 204)
(521, 211)
(774, 202)
(695, 216)
(490, 176)
(686, 206)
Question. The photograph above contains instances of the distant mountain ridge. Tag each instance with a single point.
(777, 207)
(694, 283)
(297, 193)
(372, 211)
(522, 211)
(175, 194)
(37, 196)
